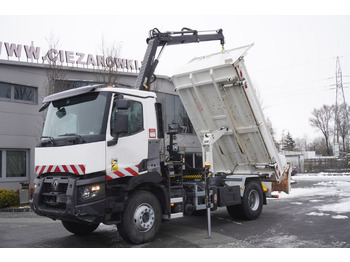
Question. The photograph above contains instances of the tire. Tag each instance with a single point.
(141, 219)
(252, 202)
(235, 211)
(79, 228)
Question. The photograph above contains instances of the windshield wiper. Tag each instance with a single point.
(77, 137)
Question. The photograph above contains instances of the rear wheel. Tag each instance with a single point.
(252, 202)
(235, 211)
(79, 228)
(141, 218)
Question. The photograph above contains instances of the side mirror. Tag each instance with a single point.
(121, 120)
(123, 104)
(121, 123)
(120, 126)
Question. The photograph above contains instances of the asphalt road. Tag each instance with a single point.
(298, 220)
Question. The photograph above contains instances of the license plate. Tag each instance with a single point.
(61, 199)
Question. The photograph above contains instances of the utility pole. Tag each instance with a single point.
(339, 101)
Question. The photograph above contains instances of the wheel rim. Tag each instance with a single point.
(144, 217)
(254, 200)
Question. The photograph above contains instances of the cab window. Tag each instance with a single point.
(135, 119)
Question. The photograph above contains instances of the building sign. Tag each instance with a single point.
(65, 58)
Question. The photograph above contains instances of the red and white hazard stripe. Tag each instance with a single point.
(74, 169)
(122, 172)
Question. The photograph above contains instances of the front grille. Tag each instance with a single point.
(62, 188)
(54, 192)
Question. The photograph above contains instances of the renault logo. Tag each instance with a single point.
(55, 185)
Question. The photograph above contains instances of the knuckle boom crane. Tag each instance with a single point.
(157, 39)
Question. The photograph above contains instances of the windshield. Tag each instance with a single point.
(79, 116)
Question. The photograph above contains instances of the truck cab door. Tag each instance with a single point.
(127, 140)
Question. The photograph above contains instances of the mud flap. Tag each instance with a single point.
(284, 185)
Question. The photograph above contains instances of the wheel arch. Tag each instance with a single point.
(151, 182)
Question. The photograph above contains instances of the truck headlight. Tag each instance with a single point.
(87, 192)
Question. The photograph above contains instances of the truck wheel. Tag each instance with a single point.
(79, 228)
(141, 219)
(252, 203)
(235, 211)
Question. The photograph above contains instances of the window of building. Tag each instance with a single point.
(5, 90)
(18, 93)
(24, 93)
(14, 164)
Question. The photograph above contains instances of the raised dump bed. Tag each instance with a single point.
(219, 98)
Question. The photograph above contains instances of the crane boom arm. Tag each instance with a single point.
(158, 39)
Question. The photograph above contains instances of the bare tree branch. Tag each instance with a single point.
(54, 71)
(108, 73)
(322, 119)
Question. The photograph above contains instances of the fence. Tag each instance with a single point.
(336, 165)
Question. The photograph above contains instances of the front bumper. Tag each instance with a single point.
(58, 197)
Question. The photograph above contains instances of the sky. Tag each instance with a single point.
(292, 63)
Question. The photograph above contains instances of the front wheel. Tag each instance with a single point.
(79, 228)
(141, 218)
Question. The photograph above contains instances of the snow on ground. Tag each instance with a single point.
(340, 217)
(331, 185)
(317, 214)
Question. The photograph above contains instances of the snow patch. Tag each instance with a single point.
(317, 214)
(326, 186)
(308, 192)
(330, 185)
(324, 176)
(340, 217)
(342, 207)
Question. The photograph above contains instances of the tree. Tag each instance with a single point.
(313, 145)
(288, 142)
(54, 71)
(108, 74)
(301, 144)
(322, 119)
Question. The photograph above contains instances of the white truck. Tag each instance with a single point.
(100, 157)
